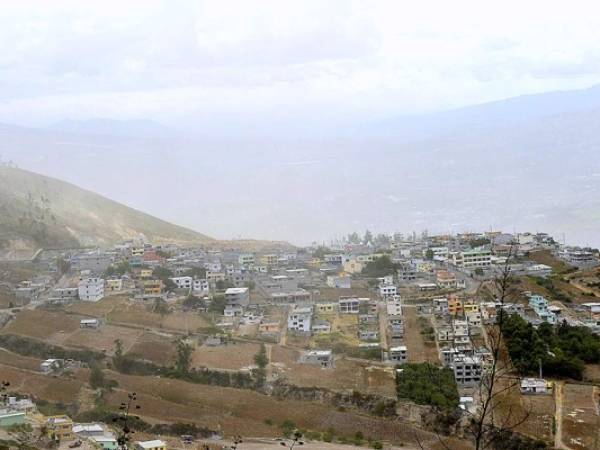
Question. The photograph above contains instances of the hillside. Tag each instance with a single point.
(38, 211)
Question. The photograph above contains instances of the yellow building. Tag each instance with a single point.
(455, 306)
(325, 308)
(269, 260)
(146, 273)
(152, 287)
(114, 284)
(59, 428)
(470, 306)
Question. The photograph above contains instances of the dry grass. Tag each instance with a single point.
(244, 412)
(100, 308)
(22, 362)
(50, 326)
(347, 374)
(231, 356)
(140, 315)
(104, 338)
(156, 348)
(53, 389)
(581, 424)
(418, 349)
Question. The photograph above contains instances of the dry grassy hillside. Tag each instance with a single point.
(38, 211)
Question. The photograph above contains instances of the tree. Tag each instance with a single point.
(368, 237)
(429, 254)
(184, 356)
(354, 238)
(261, 359)
(97, 379)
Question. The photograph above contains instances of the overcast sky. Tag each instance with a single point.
(325, 60)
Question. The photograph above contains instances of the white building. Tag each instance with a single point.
(91, 289)
(299, 319)
(321, 358)
(349, 305)
(183, 282)
(237, 296)
(200, 287)
(533, 386)
(398, 355)
(387, 290)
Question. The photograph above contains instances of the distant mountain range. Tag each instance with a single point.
(38, 211)
(141, 128)
(528, 163)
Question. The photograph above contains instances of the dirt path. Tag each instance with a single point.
(558, 415)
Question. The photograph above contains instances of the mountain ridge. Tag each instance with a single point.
(37, 211)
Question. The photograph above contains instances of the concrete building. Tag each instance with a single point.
(387, 290)
(200, 287)
(321, 358)
(471, 259)
(533, 386)
(397, 355)
(467, 370)
(150, 445)
(299, 319)
(349, 305)
(96, 433)
(183, 282)
(91, 289)
(95, 262)
(237, 296)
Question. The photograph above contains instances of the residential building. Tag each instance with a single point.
(246, 259)
(542, 309)
(455, 306)
(150, 445)
(95, 262)
(9, 418)
(387, 290)
(397, 355)
(114, 284)
(97, 433)
(533, 386)
(446, 279)
(349, 305)
(321, 358)
(299, 319)
(440, 306)
(237, 296)
(467, 370)
(182, 282)
(320, 326)
(59, 428)
(93, 324)
(368, 334)
(325, 308)
(471, 259)
(152, 287)
(91, 289)
(200, 287)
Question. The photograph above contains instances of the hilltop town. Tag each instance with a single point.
(372, 341)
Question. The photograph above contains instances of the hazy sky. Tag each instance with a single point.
(178, 61)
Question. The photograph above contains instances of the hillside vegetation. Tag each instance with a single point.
(38, 211)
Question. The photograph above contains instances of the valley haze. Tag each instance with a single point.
(529, 162)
